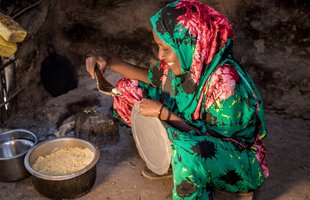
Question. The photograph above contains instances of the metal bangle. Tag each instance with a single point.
(169, 115)
(160, 111)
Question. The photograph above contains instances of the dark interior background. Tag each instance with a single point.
(271, 41)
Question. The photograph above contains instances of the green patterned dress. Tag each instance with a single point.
(214, 94)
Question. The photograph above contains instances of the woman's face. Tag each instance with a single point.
(167, 54)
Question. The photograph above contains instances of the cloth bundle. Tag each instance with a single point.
(10, 33)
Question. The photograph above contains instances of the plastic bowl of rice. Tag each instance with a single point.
(63, 168)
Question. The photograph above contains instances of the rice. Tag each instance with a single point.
(63, 161)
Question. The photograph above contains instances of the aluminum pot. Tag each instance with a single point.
(14, 145)
(63, 186)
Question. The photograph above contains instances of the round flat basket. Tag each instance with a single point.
(152, 141)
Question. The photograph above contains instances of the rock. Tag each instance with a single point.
(96, 127)
(59, 108)
(67, 126)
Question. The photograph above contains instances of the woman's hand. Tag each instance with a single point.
(91, 62)
(149, 107)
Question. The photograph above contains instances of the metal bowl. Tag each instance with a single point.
(14, 145)
(63, 186)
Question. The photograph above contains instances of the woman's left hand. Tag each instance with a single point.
(149, 107)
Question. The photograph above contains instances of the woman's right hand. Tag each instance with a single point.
(91, 62)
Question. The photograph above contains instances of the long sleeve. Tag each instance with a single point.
(229, 108)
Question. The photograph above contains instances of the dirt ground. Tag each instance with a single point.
(119, 168)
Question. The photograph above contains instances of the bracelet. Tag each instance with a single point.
(169, 115)
(160, 111)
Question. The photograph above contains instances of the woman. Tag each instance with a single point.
(215, 113)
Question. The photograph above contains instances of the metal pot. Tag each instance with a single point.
(14, 145)
(64, 186)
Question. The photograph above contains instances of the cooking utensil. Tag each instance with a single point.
(64, 186)
(58, 74)
(14, 145)
(104, 86)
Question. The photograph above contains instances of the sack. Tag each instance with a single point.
(7, 49)
(10, 30)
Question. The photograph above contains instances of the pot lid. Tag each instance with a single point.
(152, 141)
